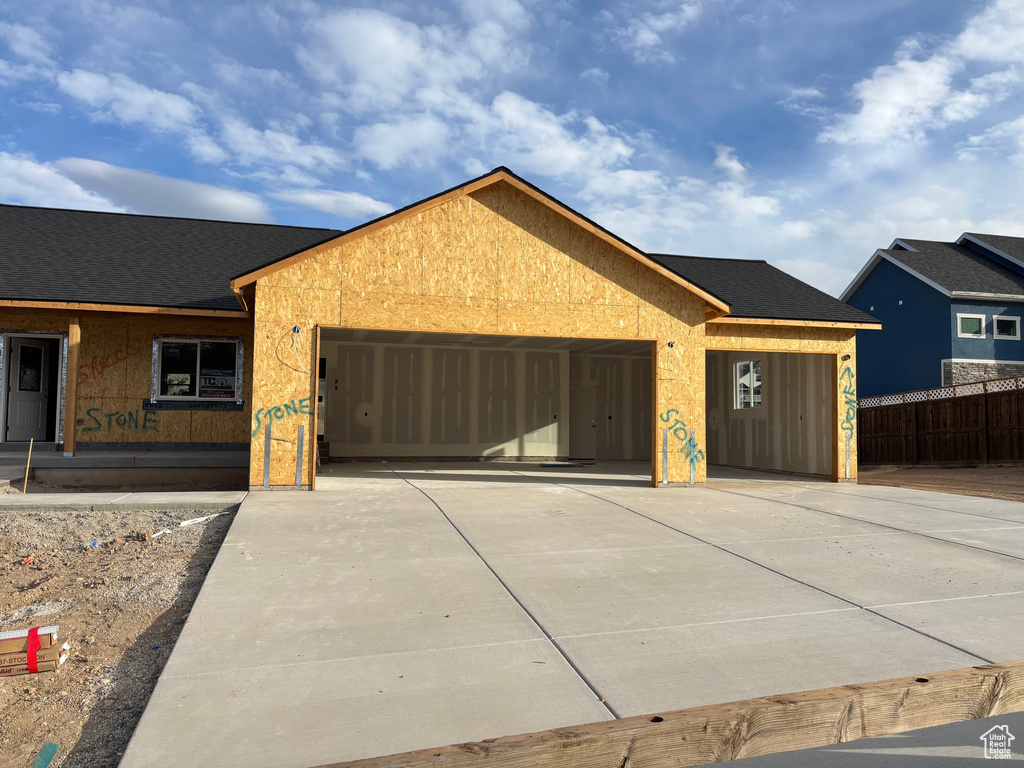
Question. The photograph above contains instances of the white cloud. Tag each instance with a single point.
(275, 147)
(897, 102)
(797, 230)
(526, 135)
(27, 43)
(129, 102)
(726, 160)
(919, 91)
(418, 140)
(643, 36)
(25, 181)
(375, 60)
(349, 205)
(595, 75)
(146, 192)
(48, 107)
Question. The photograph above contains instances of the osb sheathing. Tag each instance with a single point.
(495, 261)
(115, 376)
(836, 342)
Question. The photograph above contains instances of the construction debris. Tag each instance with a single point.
(34, 650)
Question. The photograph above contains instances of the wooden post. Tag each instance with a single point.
(71, 387)
(913, 434)
(723, 732)
(983, 399)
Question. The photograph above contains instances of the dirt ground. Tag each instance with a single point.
(991, 482)
(121, 601)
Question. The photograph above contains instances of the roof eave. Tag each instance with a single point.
(987, 296)
(84, 306)
(830, 324)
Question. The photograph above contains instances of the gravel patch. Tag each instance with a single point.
(120, 596)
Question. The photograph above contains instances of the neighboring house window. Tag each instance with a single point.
(748, 384)
(970, 326)
(198, 368)
(1005, 327)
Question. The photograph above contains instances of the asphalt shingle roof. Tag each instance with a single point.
(50, 254)
(1011, 246)
(756, 289)
(958, 268)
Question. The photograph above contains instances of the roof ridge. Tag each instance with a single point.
(166, 217)
(709, 258)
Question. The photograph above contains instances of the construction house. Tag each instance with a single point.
(489, 321)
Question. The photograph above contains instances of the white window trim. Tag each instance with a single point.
(736, 385)
(961, 335)
(158, 367)
(1015, 319)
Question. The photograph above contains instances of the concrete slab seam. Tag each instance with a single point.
(555, 644)
(923, 506)
(777, 572)
(880, 525)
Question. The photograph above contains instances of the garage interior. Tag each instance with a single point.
(770, 411)
(391, 394)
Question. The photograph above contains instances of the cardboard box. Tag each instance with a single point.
(16, 640)
(52, 653)
(22, 669)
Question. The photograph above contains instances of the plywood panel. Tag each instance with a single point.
(602, 274)
(533, 245)
(389, 260)
(574, 321)
(459, 250)
(103, 357)
(17, 320)
(419, 313)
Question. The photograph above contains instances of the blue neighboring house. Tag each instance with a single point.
(950, 312)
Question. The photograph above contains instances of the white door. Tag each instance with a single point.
(27, 390)
(583, 421)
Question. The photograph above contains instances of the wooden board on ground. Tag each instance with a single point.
(736, 730)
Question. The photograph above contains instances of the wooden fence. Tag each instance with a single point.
(979, 423)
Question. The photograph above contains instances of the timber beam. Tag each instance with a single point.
(723, 732)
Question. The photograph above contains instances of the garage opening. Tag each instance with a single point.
(390, 394)
(770, 411)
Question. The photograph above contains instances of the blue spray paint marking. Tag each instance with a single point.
(279, 412)
(689, 447)
(849, 400)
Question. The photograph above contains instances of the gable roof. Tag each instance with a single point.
(756, 290)
(88, 257)
(1008, 247)
(714, 305)
(953, 269)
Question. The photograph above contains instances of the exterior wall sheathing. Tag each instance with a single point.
(115, 376)
(494, 261)
(836, 342)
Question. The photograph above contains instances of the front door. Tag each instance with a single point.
(27, 390)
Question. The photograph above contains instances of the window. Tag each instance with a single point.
(748, 384)
(197, 369)
(970, 326)
(1005, 327)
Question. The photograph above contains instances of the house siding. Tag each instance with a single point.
(906, 354)
(988, 348)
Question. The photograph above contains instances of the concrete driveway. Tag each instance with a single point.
(404, 606)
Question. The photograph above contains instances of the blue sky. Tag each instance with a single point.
(805, 132)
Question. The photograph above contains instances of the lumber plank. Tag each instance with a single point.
(723, 732)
